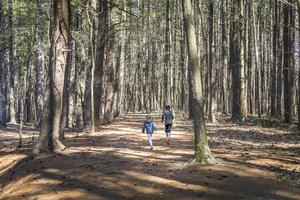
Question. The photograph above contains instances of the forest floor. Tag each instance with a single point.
(116, 163)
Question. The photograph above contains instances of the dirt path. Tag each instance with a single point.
(116, 163)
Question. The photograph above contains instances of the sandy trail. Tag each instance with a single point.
(116, 163)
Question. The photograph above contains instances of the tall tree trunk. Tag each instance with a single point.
(167, 55)
(257, 65)
(279, 67)
(212, 109)
(120, 104)
(39, 67)
(175, 65)
(183, 69)
(10, 65)
(49, 135)
(88, 82)
(224, 57)
(243, 28)
(298, 3)
(99, 68)
(287, 68)
(92, 52)
(235, 60)
(78, 110)
(292, 87)
(23, 96)
(274, 59)
(249, 60)
(108, 112)
(23, 92)
(202, 150)
(64, 118)
(87, 100)
(2, 72)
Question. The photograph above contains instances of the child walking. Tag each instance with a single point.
(150, 127)
(168, 117)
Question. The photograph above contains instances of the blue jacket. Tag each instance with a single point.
(149, 126)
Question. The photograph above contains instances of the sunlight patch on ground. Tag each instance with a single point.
(138, 188)
(53, 170)
(8, 161)
(286, 194)
(9, 188)
(260, 145)
(241, 170)
(116, 163)
(142, 154)
(65, 194)
(129, 130)
(168, 182)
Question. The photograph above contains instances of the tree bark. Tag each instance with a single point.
(119, 83)
(10, 65)
(99, 68)
(249, 59)
(279, 68)
(224, 57)
(39, 67)
(183, 69)
(243, 28)
(202, 150)
(23, 93)
(235, 60)
(257, 66)
(2, 72)
(287, 68)
(92, 51)
(212, 109)
(120, 102)
(274, 59)
(167, 55)
(49, 135)
(108, 112)
(64, 118)
(298, 4)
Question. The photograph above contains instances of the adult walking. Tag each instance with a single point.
(168, 117)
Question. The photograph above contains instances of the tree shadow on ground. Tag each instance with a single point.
(111, 176)
(255, 136)
(269, 150)
(117, 164)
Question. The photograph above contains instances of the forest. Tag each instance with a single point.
(80, 80)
